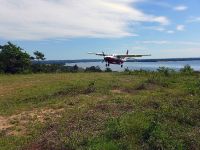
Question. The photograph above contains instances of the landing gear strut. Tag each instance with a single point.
(107, 65)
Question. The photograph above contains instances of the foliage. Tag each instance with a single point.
(126, 70)
(187, 70)
(53, 68)
(108, 70)
(194, 87)
(93, 69)
(13, 59)
(165, 71)
(39, 55)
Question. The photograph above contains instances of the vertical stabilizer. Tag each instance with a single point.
(127, 52)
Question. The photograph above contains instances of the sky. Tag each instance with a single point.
(68, 29)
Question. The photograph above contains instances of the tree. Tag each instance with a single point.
(39, 55)
(13, 59)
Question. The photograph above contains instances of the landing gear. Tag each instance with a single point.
(107, 65)
(121, 65)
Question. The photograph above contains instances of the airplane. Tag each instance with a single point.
(116, 58)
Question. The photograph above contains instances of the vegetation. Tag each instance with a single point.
(93, 69)
(187, 70)
(13, 59)
(127, 110)
(39, 55)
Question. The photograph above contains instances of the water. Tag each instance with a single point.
(177, 65)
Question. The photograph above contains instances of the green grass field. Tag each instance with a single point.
(100, 111)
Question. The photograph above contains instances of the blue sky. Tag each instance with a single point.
(67, 29)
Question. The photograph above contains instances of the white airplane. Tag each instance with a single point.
(116, 58)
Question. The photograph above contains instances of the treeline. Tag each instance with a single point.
(13, 59)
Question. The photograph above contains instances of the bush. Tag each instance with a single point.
(108, 70)
(165, 71)
(53, 68)
(93, 69)
(187, 70)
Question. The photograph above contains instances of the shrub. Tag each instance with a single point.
(93, 69)
(187, 70)
(165, 71)
(108, 70)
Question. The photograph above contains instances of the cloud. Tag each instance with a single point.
(160, 29)
(180, 27)
(50, 19)
(165, 42)
(159, 42)
(181, 8)
(170, 31)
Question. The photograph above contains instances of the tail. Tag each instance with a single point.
(127, 52)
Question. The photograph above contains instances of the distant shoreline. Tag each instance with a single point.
(99, 60)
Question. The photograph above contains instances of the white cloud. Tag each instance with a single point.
(170, 31)
(160, 29)
(165, 42)
(181, 8)
(156, 28)
(46, 19)
(159, 42)
(180, 27)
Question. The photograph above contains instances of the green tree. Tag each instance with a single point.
(39, 55)
(13, 59)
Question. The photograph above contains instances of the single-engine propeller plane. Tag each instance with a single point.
(117, 58)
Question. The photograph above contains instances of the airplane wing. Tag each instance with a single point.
(130, 55)
(99, 54)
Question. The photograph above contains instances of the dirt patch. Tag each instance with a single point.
(4, 124)
(16, 124)
(79, 128)
(117, 91)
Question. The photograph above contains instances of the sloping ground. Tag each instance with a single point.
(100, 111)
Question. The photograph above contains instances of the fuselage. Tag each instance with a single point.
(113, 60)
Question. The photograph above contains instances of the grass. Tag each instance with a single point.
(130, 110)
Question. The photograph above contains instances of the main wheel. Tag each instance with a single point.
(121, 66)
(108, 65)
